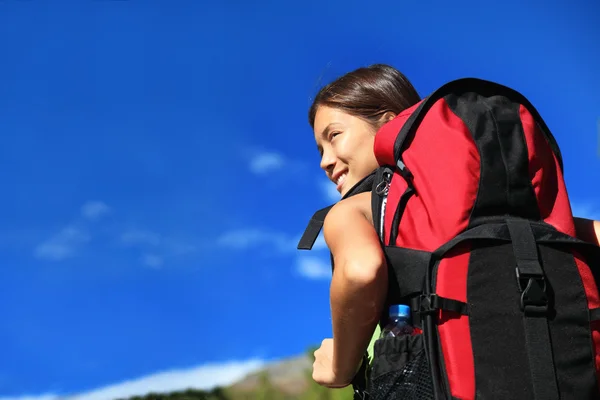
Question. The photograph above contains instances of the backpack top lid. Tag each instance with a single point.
(476, 151)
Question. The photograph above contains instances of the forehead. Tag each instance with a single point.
(328, 115)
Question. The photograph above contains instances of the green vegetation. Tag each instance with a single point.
(264, 389)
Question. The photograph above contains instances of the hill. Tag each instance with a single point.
(289, 379)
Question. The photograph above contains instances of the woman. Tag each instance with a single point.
(345, 116)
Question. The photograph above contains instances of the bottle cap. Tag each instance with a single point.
(399, 310)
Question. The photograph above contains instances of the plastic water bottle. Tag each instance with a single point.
(399, 322)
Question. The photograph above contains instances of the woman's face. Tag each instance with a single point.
(346, 146)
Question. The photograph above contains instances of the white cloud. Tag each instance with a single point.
(243, 239)
(246, 238)
(266, 162)
(152, 260)
(63, 245)
(136, 236)
(204, 377)
(66, 242)
(329, 191)
(40, 397)
(313, 267)
(94, 210)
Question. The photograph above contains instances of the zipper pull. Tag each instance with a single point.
(383, 187)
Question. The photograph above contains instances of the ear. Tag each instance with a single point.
(388, 116)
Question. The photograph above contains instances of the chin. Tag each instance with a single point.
(345, 189)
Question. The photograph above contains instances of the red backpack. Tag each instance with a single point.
(476, 225)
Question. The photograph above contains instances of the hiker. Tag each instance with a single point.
(345, 116)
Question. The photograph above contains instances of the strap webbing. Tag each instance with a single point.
(315, 224)
(410, 190)
(534, 303)
(431, 303)
(311, 233)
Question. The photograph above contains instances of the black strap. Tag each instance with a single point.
(595, 314)
(410, 190)
(432, 303)
(490, 231)
(543, 233)
(469, 85)
(534, 304)
(315, 224)
(313, 229)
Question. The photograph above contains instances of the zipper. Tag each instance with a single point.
(382, 189)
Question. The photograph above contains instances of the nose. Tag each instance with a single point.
(327, 161)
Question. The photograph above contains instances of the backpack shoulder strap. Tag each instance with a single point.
(316, 222)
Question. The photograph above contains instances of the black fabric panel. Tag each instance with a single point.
(406, 276)
(408, 268)
(513, 146)
(569, 327)
(504, 185)
(496, 322)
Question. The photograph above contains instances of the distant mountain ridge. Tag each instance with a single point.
(287, 379)
(289, 376)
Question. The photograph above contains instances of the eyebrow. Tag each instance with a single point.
(327, 129)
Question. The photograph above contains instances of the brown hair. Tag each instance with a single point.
(367, 93)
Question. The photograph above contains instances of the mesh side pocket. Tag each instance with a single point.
(400, 370)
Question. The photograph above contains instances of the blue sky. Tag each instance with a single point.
(157, 168)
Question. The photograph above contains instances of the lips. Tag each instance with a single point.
(339, 179)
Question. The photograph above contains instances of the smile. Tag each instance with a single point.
(340, 181)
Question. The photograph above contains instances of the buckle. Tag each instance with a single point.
(534, 296)
(428, 304)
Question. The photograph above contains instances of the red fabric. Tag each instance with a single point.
(546, 178)
(453, 328)
(386, 136)
(445, 163)
(553, 202)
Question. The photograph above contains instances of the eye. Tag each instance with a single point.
(334, 134)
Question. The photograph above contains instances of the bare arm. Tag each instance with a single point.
(359, 284)
(588, 230)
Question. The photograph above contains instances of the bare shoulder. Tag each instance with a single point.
(351, 236)
(350, 221)
(352, 207)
